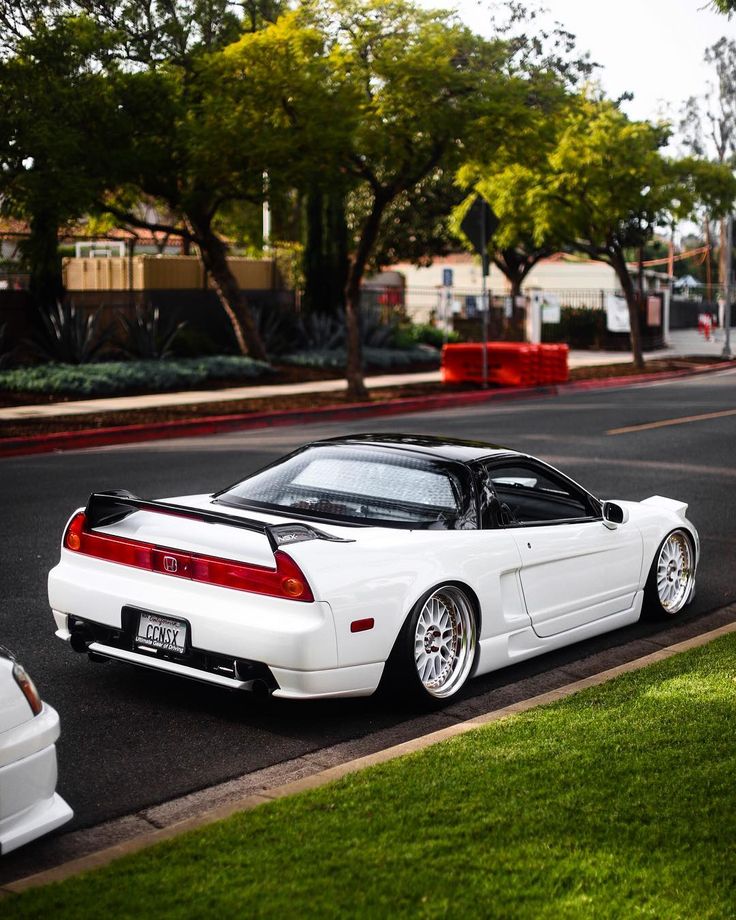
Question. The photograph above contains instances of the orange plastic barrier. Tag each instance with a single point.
(511, 364)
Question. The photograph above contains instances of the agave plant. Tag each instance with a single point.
(322, 331)
(277, 327)
(70, 335)
(377, 333)
(146, 335)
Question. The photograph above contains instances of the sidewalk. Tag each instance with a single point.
(684, 342)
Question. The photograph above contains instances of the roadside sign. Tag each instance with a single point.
(479, 225)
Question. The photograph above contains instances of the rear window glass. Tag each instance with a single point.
(355, 483)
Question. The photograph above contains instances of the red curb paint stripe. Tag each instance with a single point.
(217, 424)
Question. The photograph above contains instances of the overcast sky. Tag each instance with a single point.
(652, 48)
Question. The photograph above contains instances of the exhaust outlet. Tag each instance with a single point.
(257, 687)
(80, 640)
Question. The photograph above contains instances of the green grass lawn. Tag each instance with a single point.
(617, 802)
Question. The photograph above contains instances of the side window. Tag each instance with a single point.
(528, 495)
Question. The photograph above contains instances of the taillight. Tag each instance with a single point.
(286, 580)
(25, 683)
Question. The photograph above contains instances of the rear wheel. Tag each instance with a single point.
(670, 583)
(435, 651)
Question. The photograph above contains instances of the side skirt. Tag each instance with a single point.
(500, 651)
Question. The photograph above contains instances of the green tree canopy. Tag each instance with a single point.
(425, 91)
(58, 135)
(605, 185)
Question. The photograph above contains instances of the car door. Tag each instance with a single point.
(574, 570)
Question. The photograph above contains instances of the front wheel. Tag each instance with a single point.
(670, 583)
(435, 651)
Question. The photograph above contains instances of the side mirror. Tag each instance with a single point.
(614, 515)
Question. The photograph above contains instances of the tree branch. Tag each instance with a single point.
(127, 218)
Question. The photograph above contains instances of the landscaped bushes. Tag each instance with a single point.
(335, 358)
(411, 334)
(114, 377)
(579, 327)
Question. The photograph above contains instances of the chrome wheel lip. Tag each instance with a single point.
(444, 642)
(674, 572)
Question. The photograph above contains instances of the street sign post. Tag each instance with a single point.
(727, 292)
(479, 225)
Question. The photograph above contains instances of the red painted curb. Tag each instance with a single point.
(216, 424)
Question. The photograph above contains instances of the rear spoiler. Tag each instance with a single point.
(105, 508)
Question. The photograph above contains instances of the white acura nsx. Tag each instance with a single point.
(403, 561)
(29, 803)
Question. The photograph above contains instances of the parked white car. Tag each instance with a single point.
(29, 803)
(409, 560)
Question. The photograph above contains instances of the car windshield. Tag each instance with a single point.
(355, 483)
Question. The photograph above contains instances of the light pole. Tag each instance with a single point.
(484, 294)
(726, 353)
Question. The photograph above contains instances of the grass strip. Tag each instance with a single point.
(616, 802)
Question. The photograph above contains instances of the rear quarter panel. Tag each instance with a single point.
(386, 571)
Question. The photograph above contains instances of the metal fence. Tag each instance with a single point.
(436, 304)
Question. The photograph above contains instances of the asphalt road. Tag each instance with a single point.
(133, 738)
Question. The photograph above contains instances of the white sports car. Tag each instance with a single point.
(29, 803)
(410, 562)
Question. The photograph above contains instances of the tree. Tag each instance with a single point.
(325, 248)
(514, 250)
(416, 225)
(52, 164)
(708, 123)
(157, 59)
(423, 88)
(724, 6)
(606, 186)
(507, 181)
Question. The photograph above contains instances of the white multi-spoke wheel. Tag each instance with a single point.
(670, 583)
(435, 651)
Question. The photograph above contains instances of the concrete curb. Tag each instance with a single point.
(218, 424)
(322, 778)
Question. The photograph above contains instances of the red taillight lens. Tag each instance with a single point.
(287, 580)
(73, 535)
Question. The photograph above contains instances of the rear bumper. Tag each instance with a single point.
(222, 622)
(228, 673)
(29, 804)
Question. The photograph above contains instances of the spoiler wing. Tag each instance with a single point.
(105, 508)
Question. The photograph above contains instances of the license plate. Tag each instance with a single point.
(166, 633)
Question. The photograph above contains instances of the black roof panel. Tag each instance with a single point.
(443, 448)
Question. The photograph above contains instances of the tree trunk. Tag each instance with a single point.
(354, 364)
(325, 251)
(41, 250)
(214, 258)
(618, 262)
(354, 369)
(722, 247)
(313, 260)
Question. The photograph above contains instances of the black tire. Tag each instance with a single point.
(435, 652)
(669, 587)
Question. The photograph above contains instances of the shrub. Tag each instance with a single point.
(579, 327)
(323, 331)
(69, 335)
(114, 377)
(278, 328)
(335, 358)
(146, 335)
(410, 334)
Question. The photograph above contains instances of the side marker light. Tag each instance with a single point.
(362, 625)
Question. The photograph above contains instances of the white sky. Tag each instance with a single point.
(652, 48)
